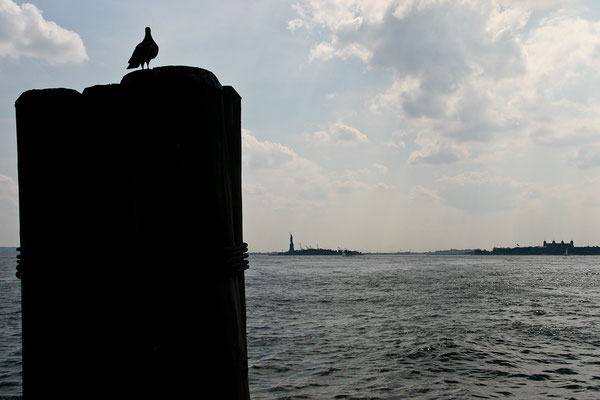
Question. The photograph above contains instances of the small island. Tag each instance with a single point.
(553, 248)
(316, 252)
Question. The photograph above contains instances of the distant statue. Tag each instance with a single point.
(144, 52)
(291, 250)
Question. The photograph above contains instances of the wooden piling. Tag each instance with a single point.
(131, 237)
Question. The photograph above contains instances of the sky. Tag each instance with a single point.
(372, 125)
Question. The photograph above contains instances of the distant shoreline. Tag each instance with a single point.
(399, 253)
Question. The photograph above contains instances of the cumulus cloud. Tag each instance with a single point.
(466, 72)
(280, 168)
(282, 179)
(340, 134)
(440, 41)
(446, 59)
(264, 154)
(437, 151)
(25, 33)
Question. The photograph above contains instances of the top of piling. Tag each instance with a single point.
(173, 74)
(44, 95)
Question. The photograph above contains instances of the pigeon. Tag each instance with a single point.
(144, 52)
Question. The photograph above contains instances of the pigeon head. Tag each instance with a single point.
(147, 30)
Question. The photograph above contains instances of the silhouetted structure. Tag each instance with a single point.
(131, 239)
(556, 249)
(561, 247)
(144, 52)
(316, 252)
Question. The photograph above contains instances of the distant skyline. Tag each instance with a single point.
(372, 125)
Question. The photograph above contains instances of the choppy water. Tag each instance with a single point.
(447, 327)
(395, 327)
(10, 330)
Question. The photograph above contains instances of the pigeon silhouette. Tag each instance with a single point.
(144, 52)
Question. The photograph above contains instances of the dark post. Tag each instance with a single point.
(136, 190)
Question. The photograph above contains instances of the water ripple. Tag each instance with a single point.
(423, 327)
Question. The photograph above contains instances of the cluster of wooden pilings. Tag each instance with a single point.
(131, 239)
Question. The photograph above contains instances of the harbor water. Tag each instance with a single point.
(424, 327)
(402, 327)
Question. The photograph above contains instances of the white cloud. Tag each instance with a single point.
(285, 190)
(471, 77)
(8, 191)
(397, 140)
(264, 154)
(437, 151)
(380, 168)
(402, 90)
(295, 24)
(322, 51)
(253, 188)
(422, 193)
(338, 133)
(25, 33)
(326, 51)
(345, 134)
(280, 166)
(9, 211)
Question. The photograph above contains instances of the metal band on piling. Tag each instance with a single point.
(226, 261)
(19, 273)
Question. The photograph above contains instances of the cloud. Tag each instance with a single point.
(264, 154)
(480, 192)
(253, 189)
(279, 180)
(437, 151)
(441, 41)
(447, 60)
(326, 51)
(9, 211)
(421, 193)
(586, 157)
(397, 140)
(8, 191)
(380, 168)
(339, 134)
(467, 73)
(24, 33)
(281, 168)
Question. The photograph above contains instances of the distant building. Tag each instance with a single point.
(562, 246)
(553, 248)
